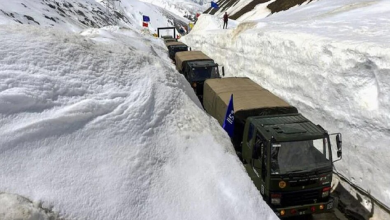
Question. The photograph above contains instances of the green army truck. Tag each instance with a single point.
(196, 68)
(165, 37)
(288, 158)
(169, 40)
(174, 47)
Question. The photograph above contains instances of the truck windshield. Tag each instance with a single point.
(202, 73)
(299, 156)
(181, 48)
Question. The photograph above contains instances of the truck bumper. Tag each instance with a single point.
(307, 209)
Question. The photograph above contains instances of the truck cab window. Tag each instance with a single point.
(250, 134)
(202, 73)
(257, 152)
(321, 145)
(300, 156)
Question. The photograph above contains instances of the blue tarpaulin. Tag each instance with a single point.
(214, 5)
(228, 124)
(146, 18)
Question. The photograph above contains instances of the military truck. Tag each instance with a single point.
(174, 47)
(196, 68)
(288, 158)
(167, 40)
(165, 37)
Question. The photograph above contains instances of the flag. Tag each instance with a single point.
(197, 15)
(214, 5)
(144, 24)
(146, 18)
(228, 124)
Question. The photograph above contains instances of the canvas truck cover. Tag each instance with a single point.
(249, 99)
(184, 56)
(174, 43)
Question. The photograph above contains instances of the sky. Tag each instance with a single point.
(97, 124)
(330, 59)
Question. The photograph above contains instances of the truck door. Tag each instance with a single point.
(258, 165)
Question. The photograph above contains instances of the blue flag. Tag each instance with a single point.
(214, 5)
(146, 18)
(228, 124)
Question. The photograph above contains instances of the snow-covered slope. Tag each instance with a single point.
(96, 123)
(78, 15)
(328, 58)
(180, 7)
(246, 10)
(68, 14)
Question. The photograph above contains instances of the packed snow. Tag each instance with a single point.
(14, 207)
(330, 59)
(97, 124)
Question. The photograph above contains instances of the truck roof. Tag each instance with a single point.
(167, 37)
(287, 127)
(169, 40)
(249, 99)
(172, 43)
(184, 56)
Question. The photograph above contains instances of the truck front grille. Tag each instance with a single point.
(301, 197)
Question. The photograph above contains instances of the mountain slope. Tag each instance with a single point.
(245, 10)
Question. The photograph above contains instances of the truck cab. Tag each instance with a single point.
(289, 160)
(174, 47)
(196, 68)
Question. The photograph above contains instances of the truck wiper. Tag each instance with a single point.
(294, 171)
(316, 169)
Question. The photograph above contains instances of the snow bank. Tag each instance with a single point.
(102, 126)
(16, 207)
(330, 59)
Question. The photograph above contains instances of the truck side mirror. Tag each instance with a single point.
(223, 71)
(339, 143)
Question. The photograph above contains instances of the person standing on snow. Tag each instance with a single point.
(225, 20)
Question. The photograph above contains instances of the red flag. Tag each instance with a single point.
(144, 24)
(197, 15)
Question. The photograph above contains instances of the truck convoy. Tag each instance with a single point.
(196, 68)
(288, 158)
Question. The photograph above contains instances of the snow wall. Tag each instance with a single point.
(330, 61)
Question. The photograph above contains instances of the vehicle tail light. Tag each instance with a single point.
(321, 207)
(313, 209)
(282, 212)
(293, 211)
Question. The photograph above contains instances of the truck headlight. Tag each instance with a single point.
(275, 198)
(275, 201)
(325, 192)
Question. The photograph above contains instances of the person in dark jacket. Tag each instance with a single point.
(225, 20)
